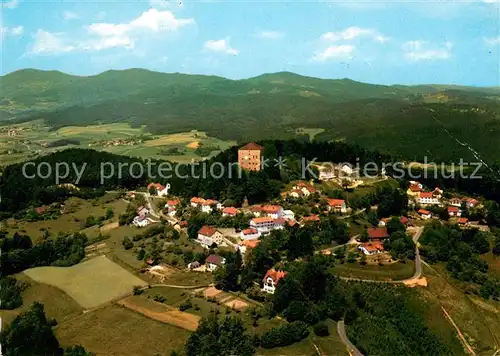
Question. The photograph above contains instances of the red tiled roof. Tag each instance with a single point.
(183, 223)
(41, 209)
(279, 221)
(463, 220)
(404, 220)
(427, 195)
(207, 231)
(251, 146)
(271, 209)
(424, 212)
(373, 246)
(256, 209)
(250, 243)
(310, 218)
(210, 202)
(230, 210)
(292, 222)
(263, 219)
(453, 209)
(172, 202)
(197, 200)
(336, 202)
(377, 233)
(249, 231)
(415, 187)
(276, 276)
(215, 259)
(158, 186)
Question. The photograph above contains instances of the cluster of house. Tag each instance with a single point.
(269, 282)
(435, 197)
(375, 244)
(141, 218)
(301, 189)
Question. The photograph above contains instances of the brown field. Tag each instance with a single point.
(161, 312)
(179, 138)
(117, 331)
(211, 292)
(194, 144)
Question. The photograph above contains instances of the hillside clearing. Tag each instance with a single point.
(90, 283)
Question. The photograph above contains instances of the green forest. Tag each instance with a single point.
(399, 120)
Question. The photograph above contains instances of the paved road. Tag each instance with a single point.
(343, 337)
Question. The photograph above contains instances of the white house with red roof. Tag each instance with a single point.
(428, 198)
(303, 189)
(161, 190)
(454, 211)
(425, 214)
(229, 211)
(415, 188)
(208, 235)
(142, 211)
(141, 221)
(313, 218)
(249, 234)
(246, 245)
(272, 279)
(371, 248)
(456, 202)
(272, 211)
(266, 224)
(337, 205)
(213, 262)
(171, 206)
(206, 205)
(471, 202)
(288, 215)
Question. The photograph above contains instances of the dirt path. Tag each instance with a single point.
(170, 315)
(460, 335)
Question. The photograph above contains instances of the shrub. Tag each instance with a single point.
(138, 290)
(186, 305)
(285, 335)
(321, 329)
(127, 243)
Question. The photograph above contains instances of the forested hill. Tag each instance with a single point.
(413, 121)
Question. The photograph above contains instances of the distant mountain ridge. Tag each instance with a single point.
(412, 121)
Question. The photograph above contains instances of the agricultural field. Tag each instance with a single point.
(74, 213)
(115, 331)
(90, 283)
(31, 139)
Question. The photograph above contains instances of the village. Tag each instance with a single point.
(261, 220)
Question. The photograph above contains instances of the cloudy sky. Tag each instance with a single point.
(387, 42)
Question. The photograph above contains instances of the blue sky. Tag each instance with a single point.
(389, 42)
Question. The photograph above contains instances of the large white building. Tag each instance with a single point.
(267, 224)
(428, 198)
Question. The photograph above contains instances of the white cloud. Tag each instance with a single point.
(152, 20)
(222, 46)
(491, 1)
(422, 50)
(12, 4)
(166, 3)
(69, 15)
(334, 52)
(270, 35)
(13, 32)
(50, 43)
(492, 41)
(110, 35)
(352, 33)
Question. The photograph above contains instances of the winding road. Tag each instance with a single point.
(351, 348)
